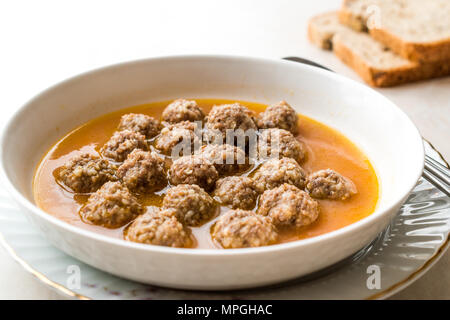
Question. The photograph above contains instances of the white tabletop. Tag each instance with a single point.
(44, 42)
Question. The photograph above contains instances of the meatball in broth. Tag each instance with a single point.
(280, 115)
(111, 206)
(288, 206)
(328, 184)
(238, 192)
(192, 205)
(86, 173)
(243, 229)
(161, 228)
(183, 110)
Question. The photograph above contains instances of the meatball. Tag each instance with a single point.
(280, 143)
(122, 143)
(288, 206)
(142, 171)
(229, 117)
(226, 158)
(328, 184)
(86, 173)
(159, 227)
(193, 206)
(184, 135)
(141, 123)
(182, 110)
(236, 192)
(280, 115)
(193, 170)
(275, 172)
(111, 206)
(243, 229)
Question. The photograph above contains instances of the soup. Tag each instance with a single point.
(323, 148)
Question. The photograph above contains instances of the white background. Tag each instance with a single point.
(44, 42)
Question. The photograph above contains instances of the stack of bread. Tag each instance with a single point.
(388, 42)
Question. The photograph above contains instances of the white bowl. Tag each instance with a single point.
(375, 124)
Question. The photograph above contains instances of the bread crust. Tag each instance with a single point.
(321, 39)
(347, 18)
(419, 52)
(391, 77)
(316, 38)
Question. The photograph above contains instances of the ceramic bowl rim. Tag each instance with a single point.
(23, 201)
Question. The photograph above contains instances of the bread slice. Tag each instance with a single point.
(378, 65)
(418, 30)
(373, 61)
(322, 28)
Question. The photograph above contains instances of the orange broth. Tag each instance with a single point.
(326, 148)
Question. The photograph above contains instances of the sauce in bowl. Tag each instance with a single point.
(326, 148)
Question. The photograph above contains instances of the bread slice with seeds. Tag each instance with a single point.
(378, 65)
(417, 30)
(372, 60)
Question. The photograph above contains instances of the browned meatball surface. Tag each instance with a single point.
(86, 173)
(275, 172)
(226, 158)
(243, 229)
(238, 192)
(182, 110)
(122, 143)
(193, 170)
(229, 117)
(183, 135)
(141, 123)
(288, 206)
(280, 115)
(142, 171)
(328, 184)
(278, 143)
(111, 206)
(192, 204)
(159, 227)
